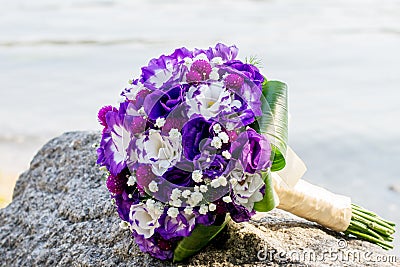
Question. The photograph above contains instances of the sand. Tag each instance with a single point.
(7, 183)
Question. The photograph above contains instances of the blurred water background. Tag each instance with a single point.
(60, 61)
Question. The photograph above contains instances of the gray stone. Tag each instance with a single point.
(62, 215)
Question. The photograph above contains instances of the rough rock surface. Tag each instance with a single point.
(61, 215)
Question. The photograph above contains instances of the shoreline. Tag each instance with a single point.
(7, 184)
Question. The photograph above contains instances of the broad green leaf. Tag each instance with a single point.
(199, 238)
(268, 202)
(274, 120)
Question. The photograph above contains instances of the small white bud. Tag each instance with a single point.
(160, 122)
(186, 193)
(203, 188)
(188, 210)
(212, 207)
(153, 186)
(131, 180)
(124, 225)
(227, 199)
(203, 209)
(174, 133)
(215, 183)
(173, 212)
(222, 180)
(216, 142)
(226, 154)
(217, 128)
(224, 137)
(197, 176)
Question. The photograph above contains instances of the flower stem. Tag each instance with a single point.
(369, 226)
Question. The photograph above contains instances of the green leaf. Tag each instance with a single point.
(268, 202)
(274, 121)
(199, 238)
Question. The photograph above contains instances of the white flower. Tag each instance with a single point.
(203, 209)
(208, 100)
(195, 199)
(227, 199)
(214, 75)
(144, 220)
(226, 154)
(153, 186)
(216, 142)
(188, 210)
(217, 128)
(176, 193)
(132, 92)
(217, 61)
(186, 193)
(247, 192)
(174, 133)
(201, 56)
(159, 151)
(175, 202)
(197, 176)
(224, 137)
(212, 207)
(222, 180)
(215, 183)
(124, 225)
(121, 138)
(160, 122)
(173, 212)
(188, 62)
(203, 188)
(131, 180)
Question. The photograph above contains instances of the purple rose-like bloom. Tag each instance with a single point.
(253, 151)
(110, 153)
(216, 167)
(179, 176)
(124, 202)
(227, 53)
(181, 226)
(194, 132)
(249, 70)
(161, 103)
(165, 70)
(239, 213)
(152, 246)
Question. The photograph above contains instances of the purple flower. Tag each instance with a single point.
(161, 103)
(155, 246)
(124, 202)
(181, 226)
(165, 70)
(216, 167)
(179, 177)
(102, 114)
(194, 132)
(250, 71)
(239, 213)
(112, 152)
(225, 52)
(252, 150)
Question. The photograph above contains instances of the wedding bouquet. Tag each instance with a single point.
(201, 138)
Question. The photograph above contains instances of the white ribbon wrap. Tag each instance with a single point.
(309, 201)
